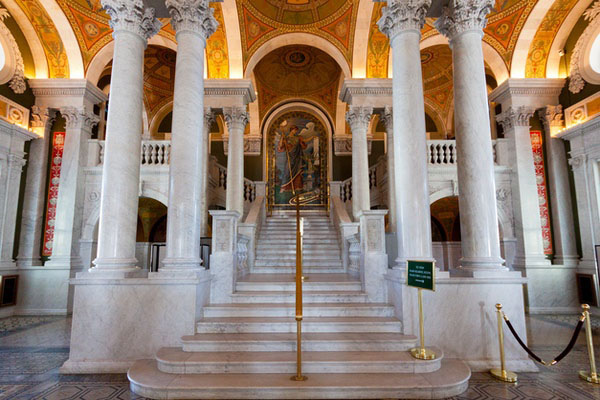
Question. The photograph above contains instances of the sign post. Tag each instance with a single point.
(421, 274)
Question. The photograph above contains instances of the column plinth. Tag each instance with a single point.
(463, 22)
(133, 24)
(236, 119)
(402, 21)
(358, 118)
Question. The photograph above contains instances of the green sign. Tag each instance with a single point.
(421, 274)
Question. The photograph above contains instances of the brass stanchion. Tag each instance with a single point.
(591, 376)
(422, 353)
(502, 374)
(299, 279)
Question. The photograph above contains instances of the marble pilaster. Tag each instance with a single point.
(132, 24)
(402, 21)
(462, 21)
(563, 226)
(69, 208)
(205, 201)
(32, 219)
(388, 119)
(528, 224)
(193, 23)
(223, 257)
(236, 119)
(358, 118)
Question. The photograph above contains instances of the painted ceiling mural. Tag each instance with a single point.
(436, 62)
(261, 20)
(159, 82)
(297, 71)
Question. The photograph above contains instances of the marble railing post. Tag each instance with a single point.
(32, 219)
(402, 22)
(563, 227)
(374, 263)
(223, 257)
(133, 24)
(463, 22)
(65, 245)
(236, 119)
(194, 23)
(208, 120)
(528, 224)
(388, 119)
(358, 118)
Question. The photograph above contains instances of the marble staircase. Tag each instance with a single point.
(246, 349)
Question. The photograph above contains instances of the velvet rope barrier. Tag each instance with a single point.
(562, 355)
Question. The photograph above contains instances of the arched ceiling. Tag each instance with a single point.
(297, 72)
(159, 82)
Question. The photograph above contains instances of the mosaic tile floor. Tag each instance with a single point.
(33, 348)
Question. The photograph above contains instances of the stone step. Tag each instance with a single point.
(278, 240)
(309, 324)
(307, 259)
(346, 341)
(309, 310)
(307, 264)
(292, 269)
(174, 360)
(290, 286)
(311, 251)
(147, 380)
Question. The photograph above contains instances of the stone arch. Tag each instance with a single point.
(158, 117)
(299, 38)
(361, 38)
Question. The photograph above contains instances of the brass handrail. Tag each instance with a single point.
(299, 278)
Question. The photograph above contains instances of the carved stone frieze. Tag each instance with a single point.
(461, 16)
(194, 16)
(132, 16)
(342, 144)
(252, 145)
(403, 15)
(576, 81)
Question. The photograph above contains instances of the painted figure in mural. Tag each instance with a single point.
(294, 146)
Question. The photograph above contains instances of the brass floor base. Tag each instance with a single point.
(422, 354)
(299, 378)
(586, 376)
(507, 376)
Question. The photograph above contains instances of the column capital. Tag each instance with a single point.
(577, 161)
(403, 15)
(79, 118)
(194, 16)
(40, 116)
(552, 116)
(387, 117)
(132, 16)
(358, 117)
(514, 117)
(236, 118)
(461, 16)
(209, 117)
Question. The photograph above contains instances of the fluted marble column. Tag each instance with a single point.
(388, 119)
(463, 22)
(133, 24)
(193, 22)
(236, 119)
(358, 118)
(65, 245)
(208, 120)
(402, 21)
(12, 165)
(526, 206)
(563, 226)
(32, 219)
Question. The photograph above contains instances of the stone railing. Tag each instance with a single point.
(443, 152)
(249, 186)
(152, 152)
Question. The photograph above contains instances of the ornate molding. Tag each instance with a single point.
(387, 117)
(342, 144)
(236, 118)
(462, 16)
(576, 81)
(552, 116)
(578, 161)
(401, 16)
(209, 118)
(194, 16)
(252, 145)
(41, 116)
(132, 16)
(514, 117)
(17, 82)
(79, 118)
(358, 117)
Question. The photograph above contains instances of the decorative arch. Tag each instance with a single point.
(158, 117)
(434, 113)
(299, 38)
(361, 38)
(234, 41)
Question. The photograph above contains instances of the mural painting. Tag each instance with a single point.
(298, 159)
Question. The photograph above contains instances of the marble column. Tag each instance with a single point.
(12, 165)
(236, 119)
(193, 23)
(32, 219)
(358, 118)
(561, 207)
(526, 206)
(67, 228)
(402, 21)
(205, 201)
(133, 24)
(388, 119)
(463, 22)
